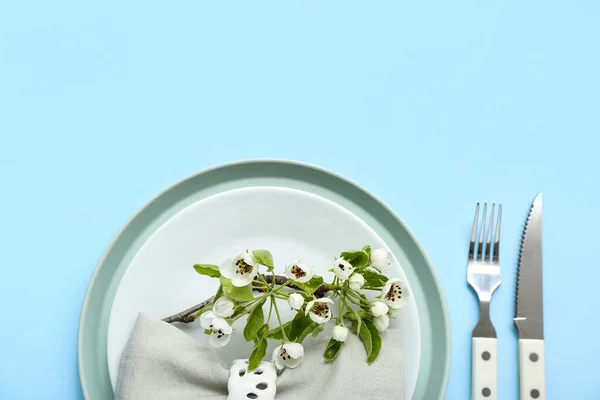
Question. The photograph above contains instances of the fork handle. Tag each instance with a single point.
(484, 369)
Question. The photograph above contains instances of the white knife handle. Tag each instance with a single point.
(532, 375)
(484, 369)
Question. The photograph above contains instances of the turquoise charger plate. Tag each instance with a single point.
(431, 304)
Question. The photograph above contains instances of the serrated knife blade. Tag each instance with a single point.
(529, 315)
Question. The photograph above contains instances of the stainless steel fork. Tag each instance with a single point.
(483, 274)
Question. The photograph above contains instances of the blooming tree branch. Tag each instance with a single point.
(189, 315)
(244, 290)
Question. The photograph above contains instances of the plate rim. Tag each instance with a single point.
(267, 161)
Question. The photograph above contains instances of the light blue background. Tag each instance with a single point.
(433, 106)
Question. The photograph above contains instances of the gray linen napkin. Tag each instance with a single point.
(162, 362)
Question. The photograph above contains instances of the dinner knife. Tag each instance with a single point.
(529, 316)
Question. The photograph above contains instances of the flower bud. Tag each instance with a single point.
(382, 322)
(340, 333)
(224, 307)
(356, 281)
(381, 259)
(296, 301)
(378, 308)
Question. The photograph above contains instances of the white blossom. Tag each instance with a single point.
(395, 293)
(319, 310)
(342, 269)
(339, 333)
(378, 308)
(382, 322)
(299, 272)
(356, 281)
(381, 259)
(288, 355)
(220, 329)
(241, 270)
(296, 301)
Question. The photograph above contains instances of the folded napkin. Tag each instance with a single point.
(162, 362)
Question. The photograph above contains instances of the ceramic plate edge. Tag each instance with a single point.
(383, 204)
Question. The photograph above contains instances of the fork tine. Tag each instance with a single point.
(489, 235)
(480, 249)
(497, 237)
(473, 234)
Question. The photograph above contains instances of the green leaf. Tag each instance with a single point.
(365, 336)
(262, 332)
(373, 278)
(375, 341)
(238, 311)
(332, 350)
(265, 258)
(308, 330)
(359, 259)
(367, 249)
(219, 293)
(237, 293)
(299, 324)
(256, 320)
(311, 286)
(354, 317)
(350, 316)
(318, 330)
(260, 349)
(277, 332)
(208, 270)
(365, 315)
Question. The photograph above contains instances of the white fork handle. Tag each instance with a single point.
(484, 369)
(532, 376)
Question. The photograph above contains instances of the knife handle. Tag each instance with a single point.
(484, 369)
(532, 375)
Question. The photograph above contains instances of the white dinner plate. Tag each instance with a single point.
(160, 279)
